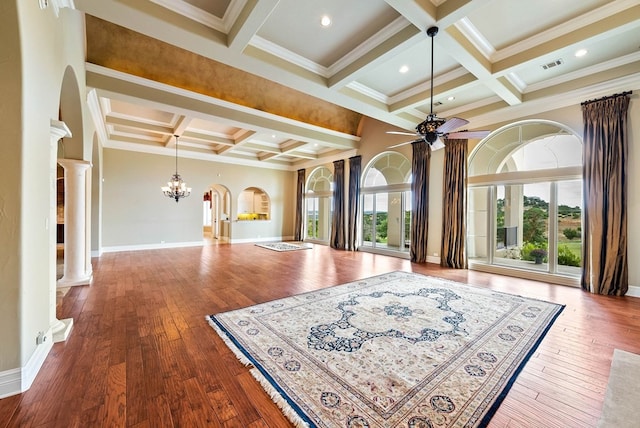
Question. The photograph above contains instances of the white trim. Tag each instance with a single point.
(18, 380)
(634, 291)
(267, 239)
(388, 252)
(525, 274)
(10, 382)
(157, 246)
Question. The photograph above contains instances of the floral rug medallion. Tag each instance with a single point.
(394, 350)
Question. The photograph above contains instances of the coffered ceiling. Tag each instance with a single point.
(264, 83)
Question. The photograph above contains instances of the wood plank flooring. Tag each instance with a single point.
(142, 355)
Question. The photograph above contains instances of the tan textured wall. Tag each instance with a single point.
(135, 212)
(124, 50)
(10, 195)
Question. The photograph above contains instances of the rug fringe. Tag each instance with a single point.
(275, 396)
(239, 355)
(280, 401)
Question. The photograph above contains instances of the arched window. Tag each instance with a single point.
(319, 205)
(386, 202)
(525, 200)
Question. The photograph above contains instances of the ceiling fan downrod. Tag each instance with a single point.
(431, 32)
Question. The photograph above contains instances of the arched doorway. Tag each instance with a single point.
(216, 209)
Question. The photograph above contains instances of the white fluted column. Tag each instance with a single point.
(76, 179)
(59, 328)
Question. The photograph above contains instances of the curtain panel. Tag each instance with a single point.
(355, 170)
(337, 220)
(454, 205)
(420, 205)
(298, 232)
(604, 247)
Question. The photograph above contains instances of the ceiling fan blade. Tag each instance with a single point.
(402, 144)
(468, 135)
(437, 145)
(411, 134)
(451, 124)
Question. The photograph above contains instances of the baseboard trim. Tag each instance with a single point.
(634, 291)
(17, 381)
(119, 248)
(267, 239)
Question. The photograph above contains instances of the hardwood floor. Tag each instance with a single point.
(142, 355)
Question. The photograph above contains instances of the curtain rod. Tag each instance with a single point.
(606, 98)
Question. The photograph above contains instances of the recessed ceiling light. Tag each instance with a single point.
(273, 135)
(581, 52)
(451, 98)
(325, 21)
(404, 69)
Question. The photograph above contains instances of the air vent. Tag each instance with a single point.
(552, 64)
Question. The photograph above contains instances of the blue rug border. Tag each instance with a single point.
(503, 394)
(490, 412)
(264, 373)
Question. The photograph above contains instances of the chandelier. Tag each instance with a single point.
(176, 188)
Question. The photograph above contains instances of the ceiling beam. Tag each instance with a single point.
(253, 16)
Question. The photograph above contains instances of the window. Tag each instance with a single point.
(319, 205)
(386, 202)
(524, 200)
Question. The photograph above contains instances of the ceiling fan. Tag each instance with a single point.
(433, 128)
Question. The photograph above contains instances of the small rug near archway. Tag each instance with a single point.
(399, 349)
(285, 246)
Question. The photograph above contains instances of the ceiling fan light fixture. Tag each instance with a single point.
(433, 128)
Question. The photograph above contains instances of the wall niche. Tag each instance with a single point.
(254, 204)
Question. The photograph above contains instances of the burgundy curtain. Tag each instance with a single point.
(454, 205)
(604, 247)
(337, 221)
(299, 205)
(355, 169)
(420, 201)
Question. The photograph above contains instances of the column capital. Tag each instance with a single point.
(74, 164)
(58, 130)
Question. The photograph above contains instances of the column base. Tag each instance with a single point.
(64, 282)
(61, 329)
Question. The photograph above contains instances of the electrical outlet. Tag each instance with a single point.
(40, 338)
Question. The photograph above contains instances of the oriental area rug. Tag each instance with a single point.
(394, 350)
(284, 246)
